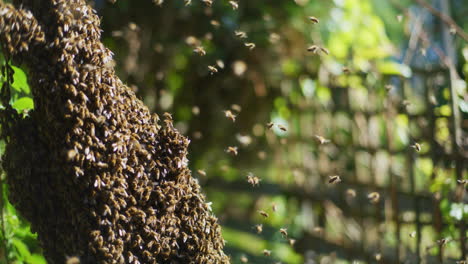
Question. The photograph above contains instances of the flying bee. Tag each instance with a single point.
(230, 115)
(453, 30)
(232, 150)
(416, 146)
(244, 259)
(282, 128)
(346, 70)
(292, 242)
(236, 107)
(252, 179)
(208, 2)
(73, 260)
(399, 18)
(314, 20)
(263, 213)
(321, 140)
(274, 207)
(202, 173)
(313, 49)
(284, 232)
(351, 193)
(334, 179)
(240, 34)
(374, 197)
(443, 241)
(215, 23)
(200, 51)
(259, 228)
(250, 45)
(234, 5)
(463, 182)
(378, 256)
(188, 2)
(389, 87)
(267, 252)
(324, 50)
(412, 234)
(212, 69)
(270, 125)
(158, 2)
(461, 262)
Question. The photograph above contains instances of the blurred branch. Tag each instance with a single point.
(445, 18)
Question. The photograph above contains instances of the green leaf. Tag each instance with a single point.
(21, 248)
(24, 103)
(36, 259)
(20, 83)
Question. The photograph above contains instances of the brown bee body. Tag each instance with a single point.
(334, 179)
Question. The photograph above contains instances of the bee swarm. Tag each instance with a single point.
(96, 174)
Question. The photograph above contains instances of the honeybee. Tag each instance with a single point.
(240, 34)
(263, 213)
(230, 115)
(399, 18)
(158, 2)
(321, 140)
(270, 125)
(464, 182)
(324, 50)
(215, 23)
(378, 256)
(374, 197)
(73, 260)
(259, 228)
(282, 128)
(244, 259)
(232, 150)
(412, 234)
(334, 179)
(208, 2)
(284, 232)
(416, 146)
(351, 193)
(202, 173)
(234, 5)
(252, 179)
(314, 20)
(200, 51)
(167, 115)
(274, 207)
(443, 241)
(267, 252)
(346, 70)
(292, 242)
(236, 107)
(188, 2)
(250, 45)
(212, 69)
(313, 49)
(389, 87)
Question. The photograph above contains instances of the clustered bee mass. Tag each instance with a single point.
(98, 176)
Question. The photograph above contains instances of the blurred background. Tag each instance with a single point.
(322, 132)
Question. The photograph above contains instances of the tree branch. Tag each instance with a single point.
(446, 19)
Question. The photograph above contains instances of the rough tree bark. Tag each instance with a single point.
(96, 174)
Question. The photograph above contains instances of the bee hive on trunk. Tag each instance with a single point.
(96, 174)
